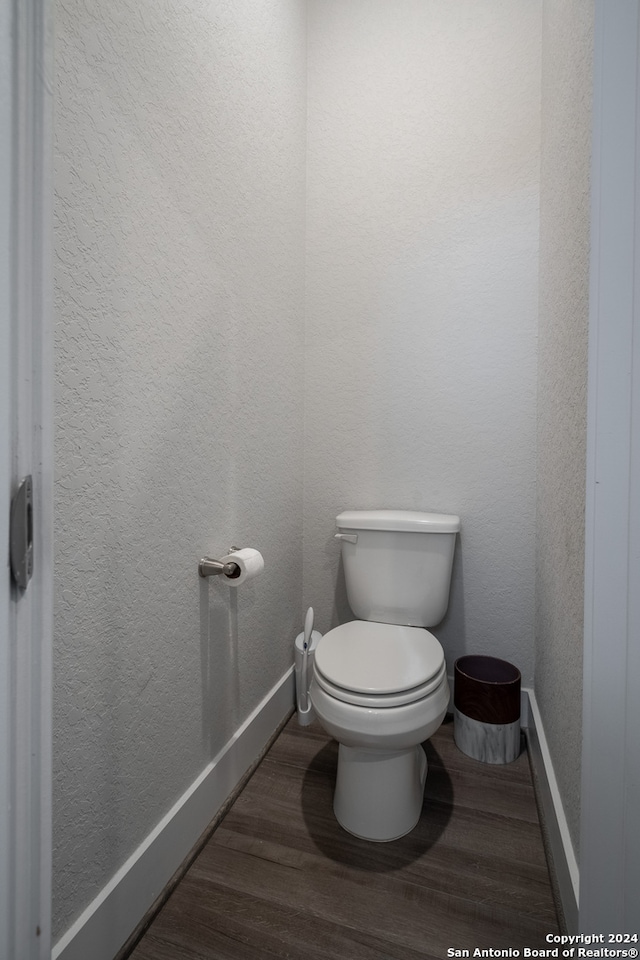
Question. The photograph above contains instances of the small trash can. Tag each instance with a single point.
(486, 718)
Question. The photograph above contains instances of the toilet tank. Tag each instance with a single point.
(397, 564)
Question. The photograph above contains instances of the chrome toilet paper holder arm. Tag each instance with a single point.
(215, 568)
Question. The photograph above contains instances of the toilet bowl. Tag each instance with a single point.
(379, 684)
(380, 690)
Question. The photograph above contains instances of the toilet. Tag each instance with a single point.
(379, 684)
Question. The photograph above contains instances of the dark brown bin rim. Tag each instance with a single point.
(487, 669)
(487, 689)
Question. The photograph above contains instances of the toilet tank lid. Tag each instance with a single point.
(403, 520)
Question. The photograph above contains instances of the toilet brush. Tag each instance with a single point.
(308, 630)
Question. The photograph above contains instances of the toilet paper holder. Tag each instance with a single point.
(215, 568)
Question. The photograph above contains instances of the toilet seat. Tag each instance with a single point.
(379, 665)
(381, 700)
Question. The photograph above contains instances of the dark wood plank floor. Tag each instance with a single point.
(279, 878)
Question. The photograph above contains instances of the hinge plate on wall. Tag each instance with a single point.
(21, 534)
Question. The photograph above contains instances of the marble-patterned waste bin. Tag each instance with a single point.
(486, 698)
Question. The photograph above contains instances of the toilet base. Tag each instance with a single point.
(379, 793)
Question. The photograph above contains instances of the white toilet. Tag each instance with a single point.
(380, 682)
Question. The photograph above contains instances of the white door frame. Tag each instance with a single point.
(5, 478)
(26, 447)
(610, 820)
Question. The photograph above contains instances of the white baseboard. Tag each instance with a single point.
(113, 915)
(564, 860)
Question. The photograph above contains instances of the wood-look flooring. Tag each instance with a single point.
(280, 878)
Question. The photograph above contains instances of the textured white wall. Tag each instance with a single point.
(562, 381)
(180, 133)
(422, 219)
(179, 216)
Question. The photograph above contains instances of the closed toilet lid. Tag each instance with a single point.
(362, 661)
